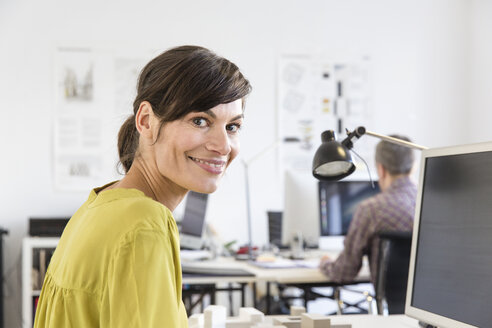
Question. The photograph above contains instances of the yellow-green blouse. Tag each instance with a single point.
(116, 265)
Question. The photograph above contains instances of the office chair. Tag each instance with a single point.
(275, 228)
(392, 271)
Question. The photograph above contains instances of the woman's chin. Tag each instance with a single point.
(205, 189)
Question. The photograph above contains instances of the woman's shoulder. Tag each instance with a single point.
(129, 210)
(128, 201)
(143, 212)
(144, 219)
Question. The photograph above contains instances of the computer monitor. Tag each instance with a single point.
(449, 282)
(301, 205)
(193, 221)
(338, 202)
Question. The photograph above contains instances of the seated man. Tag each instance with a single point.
(392, 209)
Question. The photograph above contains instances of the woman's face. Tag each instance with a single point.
(194, 151)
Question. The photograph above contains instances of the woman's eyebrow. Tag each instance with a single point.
(212, 114)
(237, 117)
(209, 112)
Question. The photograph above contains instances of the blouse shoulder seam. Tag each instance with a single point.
(57, 285)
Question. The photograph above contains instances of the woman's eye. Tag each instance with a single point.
(234, 128)
(200, 121)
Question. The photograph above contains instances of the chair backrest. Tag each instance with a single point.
(392, 272)
(275, 228)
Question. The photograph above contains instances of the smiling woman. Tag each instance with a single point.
(117, 263)
(195, 151)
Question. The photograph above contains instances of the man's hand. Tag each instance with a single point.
(325, 259)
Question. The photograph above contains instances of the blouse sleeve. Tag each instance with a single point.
(142, 282)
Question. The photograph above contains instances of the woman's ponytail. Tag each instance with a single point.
(128, 142)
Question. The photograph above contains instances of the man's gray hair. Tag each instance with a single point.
(394, 158)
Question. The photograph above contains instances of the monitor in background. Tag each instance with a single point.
(193, 221)
(451, 261)
(338, 202)
(301, 214)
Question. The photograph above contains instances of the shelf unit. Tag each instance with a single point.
(32, 247)
(2, 312)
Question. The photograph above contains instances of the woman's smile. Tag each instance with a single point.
(214, 166)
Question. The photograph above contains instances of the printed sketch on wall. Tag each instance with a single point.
(94, 93)
(75, 75)
(315, 94)
(78, 121)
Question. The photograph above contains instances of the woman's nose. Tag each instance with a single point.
(219, 141)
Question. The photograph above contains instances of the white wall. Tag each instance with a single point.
(423, 54)
(480, 65)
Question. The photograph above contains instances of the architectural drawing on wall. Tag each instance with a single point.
(94, 93)
(317, 93)
(75, 75)
(78, 121)
(78, 152)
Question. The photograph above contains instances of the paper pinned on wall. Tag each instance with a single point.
(94, 93)
(315, 94)
(77, 152)
(78, 121)
(74, 78)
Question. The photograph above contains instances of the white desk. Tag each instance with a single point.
(209, 282)
(280, 275)
(299, 275)
(361, 321)
(304, 278)
(371, 321)
(221, 265)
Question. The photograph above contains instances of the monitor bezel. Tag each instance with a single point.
(187, 240)
(412, 311)
(346, 181)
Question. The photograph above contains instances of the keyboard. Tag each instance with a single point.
(199, 269)
(194, 255)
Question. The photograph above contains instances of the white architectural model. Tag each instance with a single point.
(214, 316)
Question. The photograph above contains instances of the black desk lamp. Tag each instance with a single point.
(333, 161)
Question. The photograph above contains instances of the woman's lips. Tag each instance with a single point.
(210, 165)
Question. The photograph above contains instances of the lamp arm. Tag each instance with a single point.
(265, 150)
(246, 164)
(396, 140)
(248, 210)
(360, 131)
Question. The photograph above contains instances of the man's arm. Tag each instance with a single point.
(346, 267)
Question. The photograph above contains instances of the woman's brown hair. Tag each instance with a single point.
(179, 81)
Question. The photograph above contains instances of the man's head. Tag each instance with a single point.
(393, 161)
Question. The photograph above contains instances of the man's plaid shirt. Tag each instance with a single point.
(391, 210)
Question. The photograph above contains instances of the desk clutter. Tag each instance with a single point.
(214, 316)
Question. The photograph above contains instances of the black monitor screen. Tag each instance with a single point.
(338, 201)
(194, 214)
(453, 263)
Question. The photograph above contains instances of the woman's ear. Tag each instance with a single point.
(144, 119)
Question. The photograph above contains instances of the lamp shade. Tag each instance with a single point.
(332, 160)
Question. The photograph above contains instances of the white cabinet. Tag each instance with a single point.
(36, 253)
